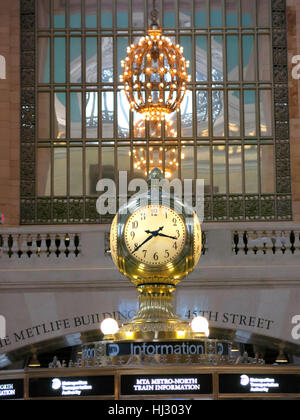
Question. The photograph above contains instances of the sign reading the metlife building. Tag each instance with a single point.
(259, 384)
(163, 348)
(166, 384)
(11, 389)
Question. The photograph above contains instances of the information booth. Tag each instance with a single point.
(184, 383)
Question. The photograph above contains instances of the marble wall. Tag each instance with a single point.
(293, 32)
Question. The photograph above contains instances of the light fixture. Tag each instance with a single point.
(155, 74)
(34, 362)
(200, 326)
(281, 358)
(180, 334)
(109, 326)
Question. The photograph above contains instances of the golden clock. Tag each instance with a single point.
(157, 242)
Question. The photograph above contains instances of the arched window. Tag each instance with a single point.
(232, 131)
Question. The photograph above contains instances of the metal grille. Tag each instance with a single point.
(233, 128)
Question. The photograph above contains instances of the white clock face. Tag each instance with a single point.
(155, 235)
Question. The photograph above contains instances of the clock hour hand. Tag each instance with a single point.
(155, 232)
(153, 235)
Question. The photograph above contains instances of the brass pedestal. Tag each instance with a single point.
(156, 319)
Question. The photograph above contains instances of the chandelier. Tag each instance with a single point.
(155, 74)
(163, 157)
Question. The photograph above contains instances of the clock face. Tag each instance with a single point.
(155, 235)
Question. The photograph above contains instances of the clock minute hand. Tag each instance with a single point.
(167, 236)
(154, 232)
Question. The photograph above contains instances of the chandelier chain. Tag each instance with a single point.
(154, 14)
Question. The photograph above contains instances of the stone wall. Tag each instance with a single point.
(10, 108)
(293, 31)
(10, 111)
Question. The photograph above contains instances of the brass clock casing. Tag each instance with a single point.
(170, 273)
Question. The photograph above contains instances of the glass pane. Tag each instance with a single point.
(75, 13)
(267, 169)
(76, 179)
(201, 58)
(60, 171)
(75, 115)
(106, 14)
(171, 126)
(217, 58)
(138, 125)
(44, 115)
(60, 115)
(169, 14)
(187, 163)
(107, 115)
(108, 163)
(218, 113)
(44, 173)
(75, 60)
(59, 7)
(235, 170)
(91, 13)
(155, 129)
(216, 13)
(124, 158)
(202, 113)
(91, 60)
(44, 60)
(92, 171)
(249, 58)
(187, 115)
(232, 12)
(234, 113)
(249, 113)
(264, 57)
(265, 105)
(122, 13)
(140, 158)
(123, 115)
(200, 13)
(122, 44)
(233, 58)
(138, 14)
(107, 60)
(248, 13)
(185, 13)
(263, 12)
(59, 60)
(219, 169)
(251, 169)
(91, 115)
(203, 166)
(44, 13)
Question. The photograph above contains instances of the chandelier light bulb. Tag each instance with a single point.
(109, 326)
(154, 75)
(200, 325)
